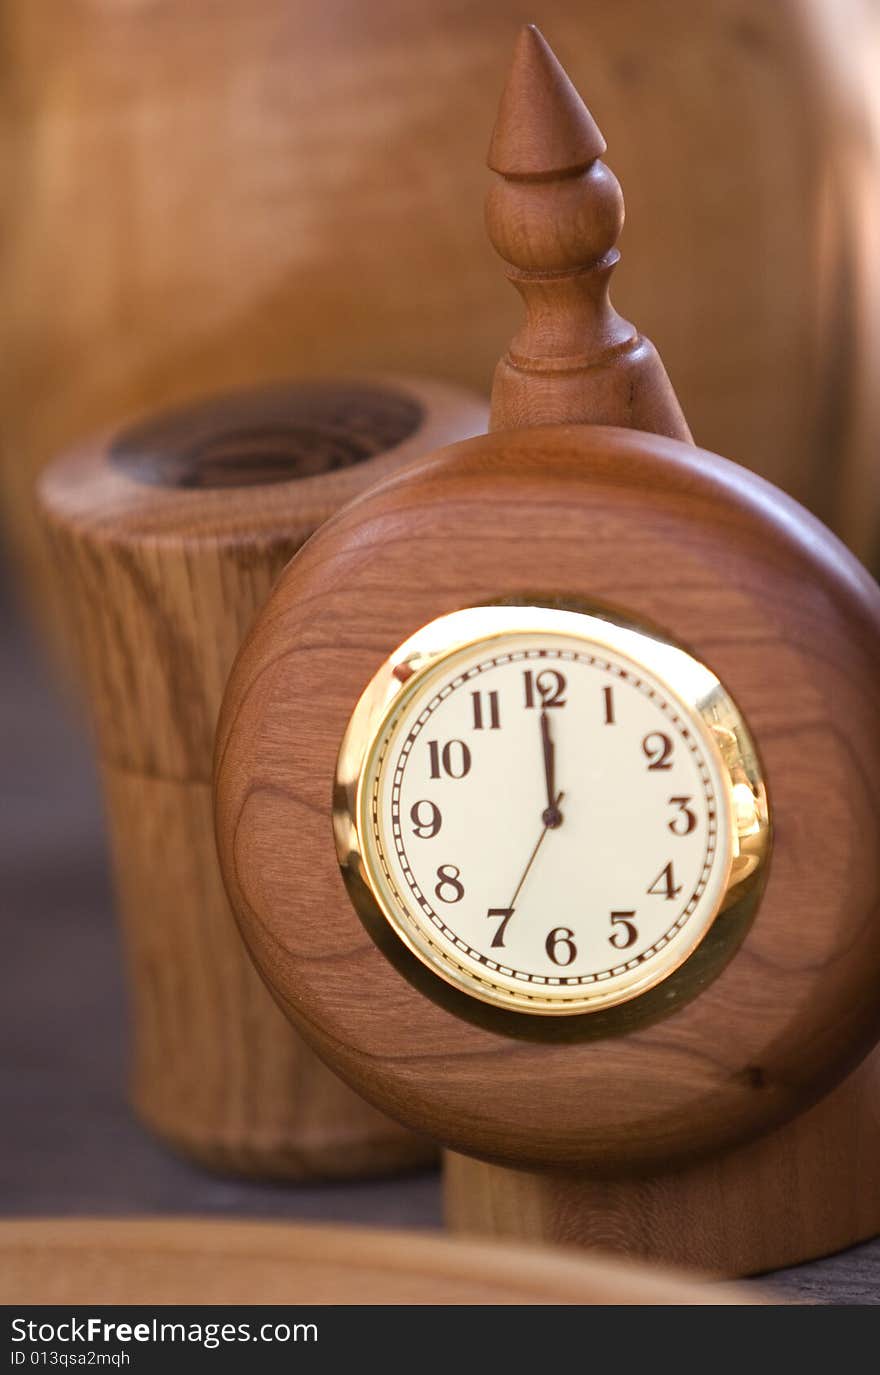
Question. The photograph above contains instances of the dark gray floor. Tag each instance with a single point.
(69, 1144)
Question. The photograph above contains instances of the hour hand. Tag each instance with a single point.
(552, 816)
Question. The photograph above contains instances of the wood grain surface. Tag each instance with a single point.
(754, 588)
(169, 536)
(789, 622)
(194, 1261)
(212, 194)
(554, 214)
(169, 576)
(69, 1144)
(807, 1189)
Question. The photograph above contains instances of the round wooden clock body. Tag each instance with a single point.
(739, 577)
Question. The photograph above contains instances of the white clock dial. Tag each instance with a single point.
(544, 819)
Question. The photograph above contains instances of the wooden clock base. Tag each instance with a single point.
(810, 1188)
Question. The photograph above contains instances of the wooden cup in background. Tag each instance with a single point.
(169, 536)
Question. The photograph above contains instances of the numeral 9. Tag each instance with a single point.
(425, 829)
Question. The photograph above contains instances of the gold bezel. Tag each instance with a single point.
(687, 681)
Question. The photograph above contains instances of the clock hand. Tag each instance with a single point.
(552, 815)
(547, 826)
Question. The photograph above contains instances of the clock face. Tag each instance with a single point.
(549, 806)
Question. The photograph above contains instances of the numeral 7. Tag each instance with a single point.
(506, 913)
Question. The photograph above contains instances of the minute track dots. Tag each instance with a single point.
(453, 945)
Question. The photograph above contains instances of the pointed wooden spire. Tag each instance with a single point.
(554, 214)
(543, 125)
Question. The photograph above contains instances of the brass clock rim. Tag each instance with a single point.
(388, 694)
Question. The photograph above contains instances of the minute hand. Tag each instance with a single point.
(533, 856)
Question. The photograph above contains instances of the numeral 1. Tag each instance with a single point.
(608, 694)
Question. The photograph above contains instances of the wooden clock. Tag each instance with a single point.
(546, 782)
(169, 534)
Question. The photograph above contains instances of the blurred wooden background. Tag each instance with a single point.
(202, 193)
(214, 193)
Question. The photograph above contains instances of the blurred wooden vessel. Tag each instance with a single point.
(213, 194)
(168, 538)
(189, 1261)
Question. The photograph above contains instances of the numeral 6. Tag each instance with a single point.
(560, 945)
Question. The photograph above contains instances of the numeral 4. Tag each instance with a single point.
(664, 884)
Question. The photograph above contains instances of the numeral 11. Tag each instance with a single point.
(494, 710)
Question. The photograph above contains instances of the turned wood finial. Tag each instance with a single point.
(554, 214)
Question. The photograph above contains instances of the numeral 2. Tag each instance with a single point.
(657, 748)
